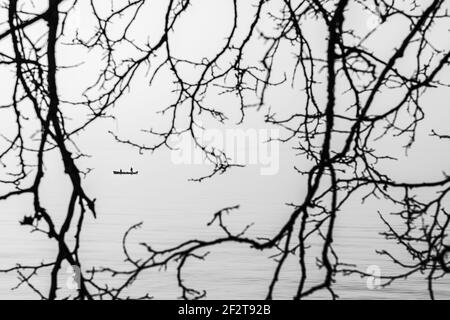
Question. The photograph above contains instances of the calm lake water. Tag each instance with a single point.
(174, 210)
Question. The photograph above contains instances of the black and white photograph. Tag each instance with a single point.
(225, 150)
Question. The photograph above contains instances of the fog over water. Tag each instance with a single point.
(174, 209)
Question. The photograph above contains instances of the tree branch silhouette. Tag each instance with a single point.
(335, 128)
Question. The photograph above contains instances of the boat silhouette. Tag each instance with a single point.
(121, 172)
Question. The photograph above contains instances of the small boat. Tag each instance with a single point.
(128, 173)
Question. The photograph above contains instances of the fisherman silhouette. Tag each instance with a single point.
(125, 172)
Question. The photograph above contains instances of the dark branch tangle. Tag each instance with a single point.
(337, 139)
